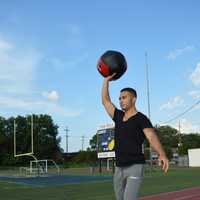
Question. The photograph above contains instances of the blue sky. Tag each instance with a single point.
(49, 51)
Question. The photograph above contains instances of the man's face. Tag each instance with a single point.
(126, 100)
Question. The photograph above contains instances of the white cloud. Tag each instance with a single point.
(52, 96)
(186, 126)
(195, 94)
(197, 107)
(74, 37)
(172, 103)
(195, 76)
(70, 63)
(18, 68)
(18, 71)
(5, 46)
(178, 52)
(35, 106)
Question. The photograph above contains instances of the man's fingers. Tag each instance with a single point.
(114, 74)
(111, 77)
(165, 165)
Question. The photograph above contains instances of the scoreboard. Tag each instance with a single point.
(105, 141)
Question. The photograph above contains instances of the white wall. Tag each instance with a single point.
(194, 157)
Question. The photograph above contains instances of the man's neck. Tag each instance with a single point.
(130, 112)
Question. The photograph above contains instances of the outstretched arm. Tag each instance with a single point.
(155, 143)
(106, 101)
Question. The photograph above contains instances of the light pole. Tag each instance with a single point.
(147, 81)
(67, 136)
(148, 101)
(179, 138)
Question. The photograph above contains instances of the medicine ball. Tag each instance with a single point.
(112, 62)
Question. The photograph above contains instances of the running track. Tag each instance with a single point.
(186, 194)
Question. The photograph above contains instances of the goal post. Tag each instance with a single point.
(15, 141)
(42, 166)
(36, 167)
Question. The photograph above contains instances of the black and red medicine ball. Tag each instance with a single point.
(112, 62)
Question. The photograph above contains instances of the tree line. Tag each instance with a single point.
(46, 142)
(170, 138)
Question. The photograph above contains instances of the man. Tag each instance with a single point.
(131, 128)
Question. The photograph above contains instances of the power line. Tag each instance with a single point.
(183, 113)
(76, 136)
(83, 138)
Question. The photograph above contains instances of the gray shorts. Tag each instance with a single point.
(127, 181)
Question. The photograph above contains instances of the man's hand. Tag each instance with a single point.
(165, 162)
(109, 78)
(155, 143)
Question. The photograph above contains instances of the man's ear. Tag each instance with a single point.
(134, 99)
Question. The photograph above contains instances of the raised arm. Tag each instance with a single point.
(155, 143)
(106, 101)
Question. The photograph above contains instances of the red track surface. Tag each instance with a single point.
(186, 194)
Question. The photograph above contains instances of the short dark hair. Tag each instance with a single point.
(131, 90)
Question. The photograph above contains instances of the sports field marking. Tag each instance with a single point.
(185, 194)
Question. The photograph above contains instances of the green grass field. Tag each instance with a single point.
(155, 182)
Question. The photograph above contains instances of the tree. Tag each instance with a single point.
(168, 136)
(85, 157)
(93, 143)
(46, 141)
(188, 141)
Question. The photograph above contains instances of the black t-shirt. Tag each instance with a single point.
(129, 137)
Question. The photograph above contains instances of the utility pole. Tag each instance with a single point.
(67, 136)
(82, 139)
